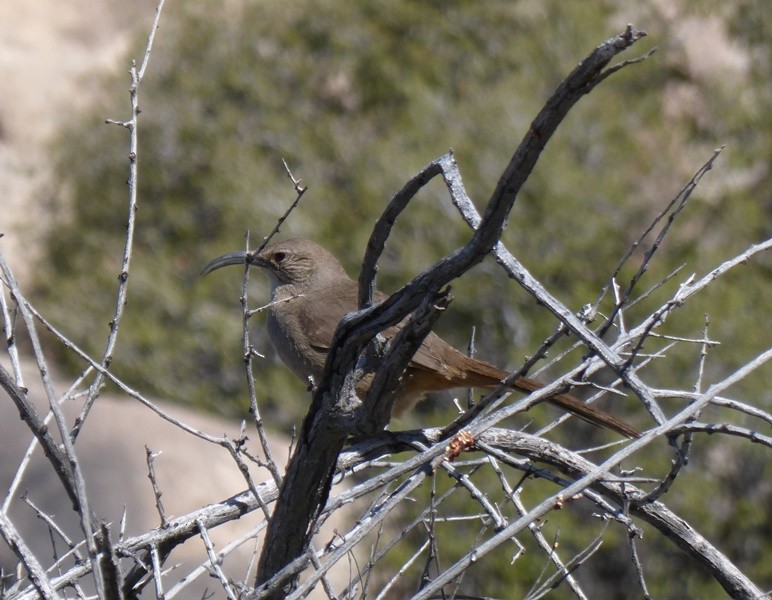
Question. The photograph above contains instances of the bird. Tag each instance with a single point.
(311, 292)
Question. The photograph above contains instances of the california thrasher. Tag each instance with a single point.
(311, 292)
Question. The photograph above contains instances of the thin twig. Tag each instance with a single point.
(150, 459)
(249, 354)
(36, 572)
(123, 278)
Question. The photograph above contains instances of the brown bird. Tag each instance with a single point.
(311, 292)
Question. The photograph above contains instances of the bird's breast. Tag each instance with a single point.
(292, 344)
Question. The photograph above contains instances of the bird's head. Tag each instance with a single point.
(297, 263)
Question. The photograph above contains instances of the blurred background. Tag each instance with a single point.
(357, 97)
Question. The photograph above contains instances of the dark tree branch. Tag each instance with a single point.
(328, 423)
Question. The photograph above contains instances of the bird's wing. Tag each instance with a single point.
(321, 331)
(434, 355)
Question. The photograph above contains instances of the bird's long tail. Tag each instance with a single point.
(575, 406)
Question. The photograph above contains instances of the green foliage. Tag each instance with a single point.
(357, 97)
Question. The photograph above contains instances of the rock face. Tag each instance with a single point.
(50, 53)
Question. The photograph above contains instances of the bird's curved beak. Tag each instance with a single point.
(232, 258)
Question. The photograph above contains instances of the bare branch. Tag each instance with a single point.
(123, 278)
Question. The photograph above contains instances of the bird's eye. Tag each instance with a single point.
(279, 257)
